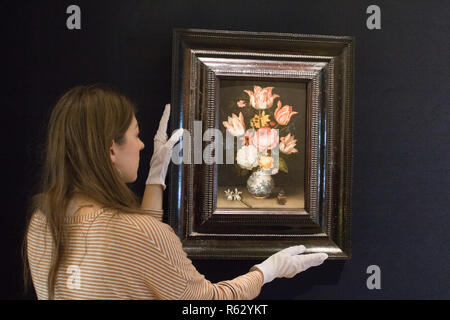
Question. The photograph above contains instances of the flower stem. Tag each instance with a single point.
(249, 206)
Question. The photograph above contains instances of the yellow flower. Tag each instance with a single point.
(264, 119)
(254, 122)
(260, 121)
(266, 162)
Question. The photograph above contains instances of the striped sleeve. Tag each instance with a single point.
(171, 274)
(125, 256)
(156, 213)
(39, 250)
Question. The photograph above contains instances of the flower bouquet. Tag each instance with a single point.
(260, 138)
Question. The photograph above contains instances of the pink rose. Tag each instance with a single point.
(265, 139)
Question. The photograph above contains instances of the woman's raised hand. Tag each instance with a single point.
(162, 150)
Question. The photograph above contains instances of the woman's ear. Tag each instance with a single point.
(112, 152)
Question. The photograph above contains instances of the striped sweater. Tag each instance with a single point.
(125, 256)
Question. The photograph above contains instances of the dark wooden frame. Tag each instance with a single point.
(201, 58)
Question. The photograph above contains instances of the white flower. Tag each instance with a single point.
(247, 157)
(229, 194)
(237, 194)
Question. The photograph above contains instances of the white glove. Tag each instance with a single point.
(162, 151)
(287, 263)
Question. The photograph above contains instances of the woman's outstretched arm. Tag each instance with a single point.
(153, 197)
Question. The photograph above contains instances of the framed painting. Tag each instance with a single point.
(266, 157)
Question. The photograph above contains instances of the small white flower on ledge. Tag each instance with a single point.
(237, 194)
(229, 194)
(233, 195)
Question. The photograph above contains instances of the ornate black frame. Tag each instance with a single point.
(201, 58)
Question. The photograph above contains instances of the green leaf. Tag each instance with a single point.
(282, 165)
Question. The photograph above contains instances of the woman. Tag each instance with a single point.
(89, 236)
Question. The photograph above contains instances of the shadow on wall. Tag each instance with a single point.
(327, 274)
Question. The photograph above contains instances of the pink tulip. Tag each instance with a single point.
(287, 144)
(265, 139)
(235, 125)
(283, 115)
(261, 98)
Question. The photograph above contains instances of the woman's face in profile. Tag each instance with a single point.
(126, 157)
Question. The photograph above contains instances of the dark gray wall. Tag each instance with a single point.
(401, 144)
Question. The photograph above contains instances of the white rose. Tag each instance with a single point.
(247, 157)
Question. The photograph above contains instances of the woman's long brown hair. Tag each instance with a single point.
(81, 128)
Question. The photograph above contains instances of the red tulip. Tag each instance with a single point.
(235, 125)
(260, 98)
(283, 115)
(287, 144)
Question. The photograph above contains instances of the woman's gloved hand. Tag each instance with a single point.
(162, 151)
(288, 262)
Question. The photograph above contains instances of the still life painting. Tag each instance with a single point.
(267, 120)
(271, 116)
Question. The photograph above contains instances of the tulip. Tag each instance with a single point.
(235, 125)
(283, 115)
(287, 144)
(261, 98)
